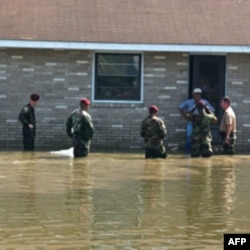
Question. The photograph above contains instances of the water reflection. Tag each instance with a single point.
(210, 199)
(121, 201)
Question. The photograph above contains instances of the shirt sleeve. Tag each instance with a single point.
(183, 105)
(209, 105)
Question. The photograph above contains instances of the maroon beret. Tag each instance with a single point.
(34, 97)
(85, 101)
(153, 109)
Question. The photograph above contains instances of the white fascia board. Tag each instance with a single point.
(124, 47)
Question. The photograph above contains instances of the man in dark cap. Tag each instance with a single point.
(28, 119)
(79, 126)
(153, 130)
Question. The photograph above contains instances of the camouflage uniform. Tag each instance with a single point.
(26, 117)
(153, 130)
(79, 126)
(201, 136)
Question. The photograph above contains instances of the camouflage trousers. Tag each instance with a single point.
(228, 148)
(201, 146)
(81, 146)
(154, 148)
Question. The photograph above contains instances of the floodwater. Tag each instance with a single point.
(121, 201)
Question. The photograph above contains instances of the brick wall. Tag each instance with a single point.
(63, 77)
(238, 88)
(60, 77)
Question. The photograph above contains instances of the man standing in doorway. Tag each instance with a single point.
(79, 126)
(189, 106)
(28, 119)
(153, 130)
(228, 127)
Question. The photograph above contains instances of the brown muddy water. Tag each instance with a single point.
(121, 201)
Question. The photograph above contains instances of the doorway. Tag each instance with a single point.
(208, 74)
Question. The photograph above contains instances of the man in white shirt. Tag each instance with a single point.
(228, 127)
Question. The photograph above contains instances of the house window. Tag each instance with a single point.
(117, 77)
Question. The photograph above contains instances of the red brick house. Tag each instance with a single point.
(124, 56)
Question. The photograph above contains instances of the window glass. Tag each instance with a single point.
(118, 77)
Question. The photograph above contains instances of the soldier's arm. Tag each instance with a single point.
(23, 116)
(69, 126)
(142, 129)
(213, 118)
(163, 130)
(88, 126)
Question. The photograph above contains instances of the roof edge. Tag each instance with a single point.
(58, 45)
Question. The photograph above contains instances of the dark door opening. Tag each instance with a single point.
(208, 73)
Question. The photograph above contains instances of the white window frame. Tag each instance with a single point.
(117, 101)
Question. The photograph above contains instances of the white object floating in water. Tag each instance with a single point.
(64, 152)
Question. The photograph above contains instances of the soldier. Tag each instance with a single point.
(153, 130)
(79, 126)
(201, 137)
(28, 119)
(186, 106)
